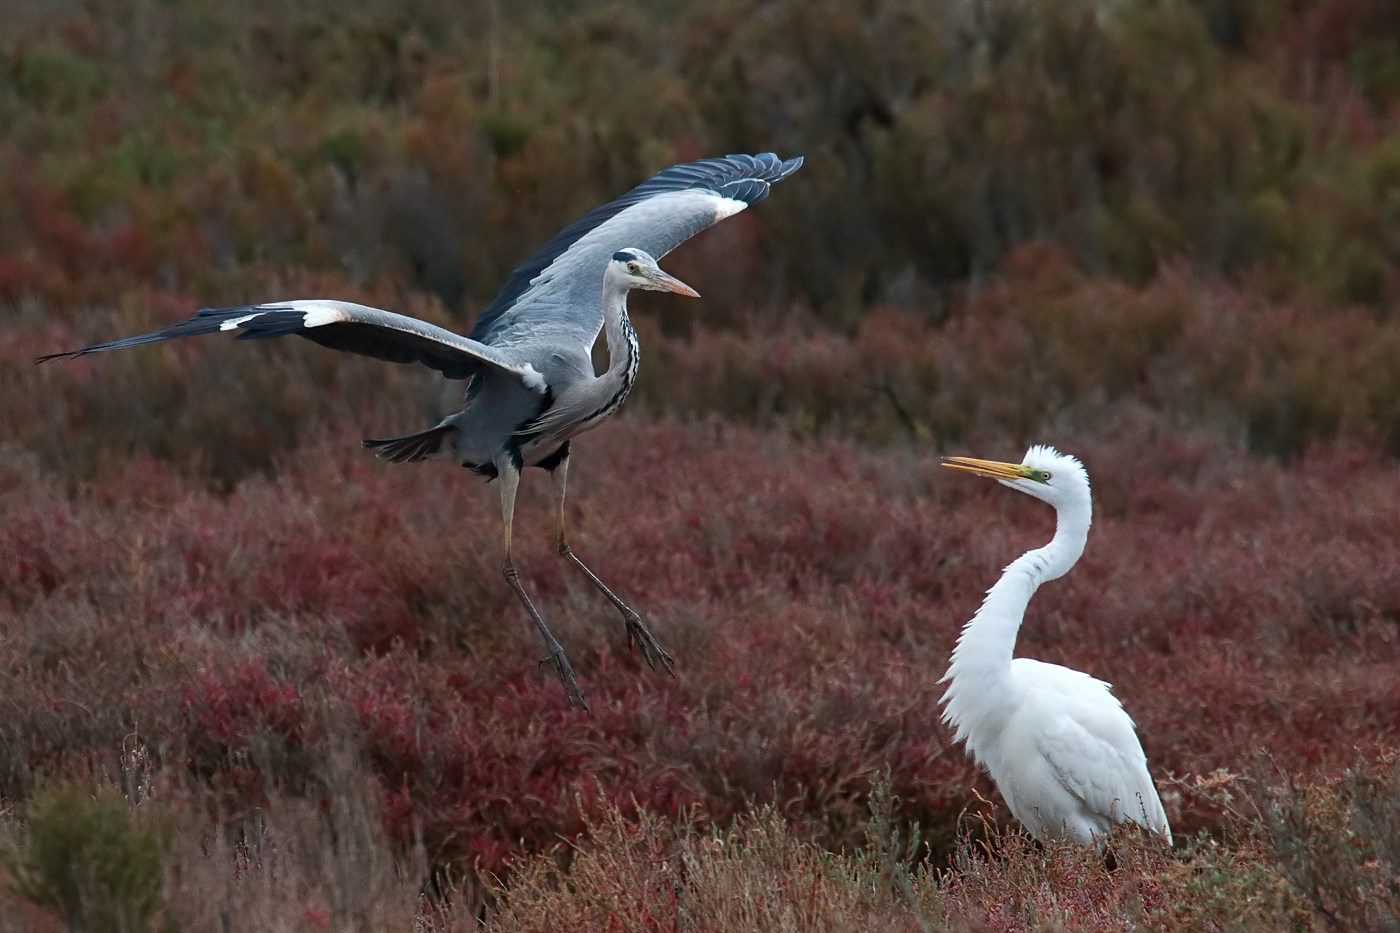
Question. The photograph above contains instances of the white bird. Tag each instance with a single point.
(1058, 744)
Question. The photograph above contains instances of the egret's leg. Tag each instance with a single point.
(637, 632)
(510, 482)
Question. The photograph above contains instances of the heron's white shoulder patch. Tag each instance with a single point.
(728, 207)
(320, 315)
(533, 379)
(237, 322)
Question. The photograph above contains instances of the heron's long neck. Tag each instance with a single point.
(624, 353)
(984, 650)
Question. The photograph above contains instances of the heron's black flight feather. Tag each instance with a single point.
(262, 323)
(206, 321)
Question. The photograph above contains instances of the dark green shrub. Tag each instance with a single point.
(91, 861)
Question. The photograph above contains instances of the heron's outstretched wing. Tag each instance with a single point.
(557, 295)
(342, 325)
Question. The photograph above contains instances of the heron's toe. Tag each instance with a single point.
(565, 672)
(641, 637)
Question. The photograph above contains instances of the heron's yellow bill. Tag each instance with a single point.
(992, 468)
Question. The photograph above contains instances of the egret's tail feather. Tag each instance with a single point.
(410, 447)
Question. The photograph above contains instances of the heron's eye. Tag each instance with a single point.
(633, 268)
(1040, 476)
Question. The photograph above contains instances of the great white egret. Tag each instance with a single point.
(1058, 744)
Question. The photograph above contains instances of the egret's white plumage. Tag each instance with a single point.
(1058, 744)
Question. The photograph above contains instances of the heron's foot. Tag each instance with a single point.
(565, 672)
(638, 635)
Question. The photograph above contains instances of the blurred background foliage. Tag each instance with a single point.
(1160, 233)
(435, 144)
(1235, 160)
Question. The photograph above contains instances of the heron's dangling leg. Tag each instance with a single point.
(510, 482)
(637, 632)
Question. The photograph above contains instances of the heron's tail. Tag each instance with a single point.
(421, 446)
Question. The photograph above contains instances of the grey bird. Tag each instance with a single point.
(531, 385)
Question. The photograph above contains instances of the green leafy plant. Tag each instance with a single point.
(88, 858)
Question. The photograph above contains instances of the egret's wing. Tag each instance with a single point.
(557, 295)
(1097, 757)
(341, 325)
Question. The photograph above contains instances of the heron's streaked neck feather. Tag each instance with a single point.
(623, 351)
(624, 354)
(981, 666)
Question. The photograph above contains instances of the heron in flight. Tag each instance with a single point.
(1058, 744)
(531, 385)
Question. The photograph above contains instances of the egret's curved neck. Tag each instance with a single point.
(985, 647)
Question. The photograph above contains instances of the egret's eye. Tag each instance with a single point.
(633, 268)
(1040, 476)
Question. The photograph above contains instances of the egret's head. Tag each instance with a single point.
(634, 268)
(1046, 473)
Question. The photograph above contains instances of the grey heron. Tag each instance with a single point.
(1058, 744)
(531, 384)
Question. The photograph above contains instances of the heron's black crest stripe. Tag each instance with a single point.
(624, 255)
(744, 178)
